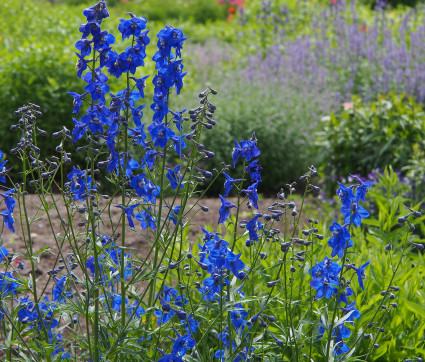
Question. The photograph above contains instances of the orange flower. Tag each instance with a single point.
(232, 10)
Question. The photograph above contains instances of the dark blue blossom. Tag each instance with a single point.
(133, 26)
(78, 101)
(147, 219)
(361, 273)
(89, 28)
(345, 194)
(2, 167)
(340, 240)
(138, 114)
(362, 190)
(160, 134)
(96, 13)
(81, 65)
(251, 192)
(129, 211)
(246, 149)
(224, 209)
(140, 85)
(254, 170)
(80, 183)
(175, 177)
(238, 317)
(84, 46)
(229, 183)
(234, 263)
(325, 276)
(354, 213)
(253, 226)
(174, 215)
(183, 344)
(3, 253)
(8, 284)
(9, 200)
(8, 220)
(58, 291)
(103, 40)
(97, 91)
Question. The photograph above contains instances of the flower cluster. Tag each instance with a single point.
(327, 275)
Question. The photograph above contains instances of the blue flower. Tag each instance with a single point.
(129, 211)
(3, 253)
(137, 115)
(138, 183)
(78, 101)
(96, 13)
(84, 46)
(340, 240)
(9, 200)
(2, 167)
(345, 194)
(254, 170)
(354, 213)
(140, 85)
(238, 317)
(361, 273)
(351, 309)
(253, 226)
(182, 344)
(224, 209)
(247, 149)
(233, 263)
(133, 26)
(58, 290)
(81, 65)
(251, 192)
(147, 219)
(8, 284)
(228, 184)
(8, 220)
(97, 91)
(362, 190)
(325, 276)
(89, 28)
(174, 215)
(103, 40)
(160, 134)
(175, 177)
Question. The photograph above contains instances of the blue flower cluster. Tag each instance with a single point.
(328, 275)
(7, 197)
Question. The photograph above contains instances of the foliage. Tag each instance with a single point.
(364, 137)
(263, 286)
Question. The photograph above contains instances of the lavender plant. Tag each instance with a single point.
(238, 293)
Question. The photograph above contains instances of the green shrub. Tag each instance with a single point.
(370, 136)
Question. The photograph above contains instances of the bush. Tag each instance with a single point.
(363, 137)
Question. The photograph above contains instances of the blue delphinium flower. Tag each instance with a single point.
(8, 284)
(229, 183)
(224, 209)
(360, 272)
(133, 26)
(96, 13)
(354, 213)
(174, 215)
(340, 240)
(182, 344)
(325, 276)
(147, 219)
(363, 189)
(251, 192)
(8, 219)
(246, 149)
(3, 253)
(129, 211)
(253, 226)
(346, 194)
(9, 200)
(175, 177)
(80, 183)
(254, 170)
(160, 133)
(58, 291)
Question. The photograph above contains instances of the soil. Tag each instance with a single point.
(42, 235)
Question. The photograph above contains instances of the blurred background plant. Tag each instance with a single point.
(280, 65)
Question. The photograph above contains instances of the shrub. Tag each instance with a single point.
(364, 137)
